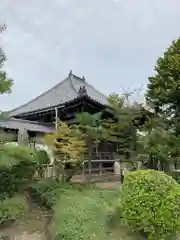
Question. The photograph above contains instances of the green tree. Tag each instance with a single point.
(163, 89)
(90, 126)
(5, 82)
(68, 146)
(124, 123)
(158, 146)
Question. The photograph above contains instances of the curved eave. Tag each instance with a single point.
(61, 105)
(16, 124)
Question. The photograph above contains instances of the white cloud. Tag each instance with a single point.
(111, 43)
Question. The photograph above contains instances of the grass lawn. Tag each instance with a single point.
(83, 212)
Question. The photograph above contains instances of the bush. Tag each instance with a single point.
(47, 192)
(42, 162)
(80, 215)
(175, 175)
(42, 157)
(79, 211)
(12, 208)
(150, 202)
(17, 166)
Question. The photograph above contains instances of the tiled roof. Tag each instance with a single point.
(17, 124)
(62, 92)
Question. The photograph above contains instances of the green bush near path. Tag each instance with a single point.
(12, 208)
(81, 217)
(47, 192)
(17, 166)
(150, 202)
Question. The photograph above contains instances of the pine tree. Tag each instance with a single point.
(68, 146)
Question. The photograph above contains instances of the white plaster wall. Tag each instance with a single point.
(7, 136)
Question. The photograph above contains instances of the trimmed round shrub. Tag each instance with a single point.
(150, 203)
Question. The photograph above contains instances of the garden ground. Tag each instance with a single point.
(32, 226)
(86, 212)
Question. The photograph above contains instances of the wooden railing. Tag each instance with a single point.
(90, 170)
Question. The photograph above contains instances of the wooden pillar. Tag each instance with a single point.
(139, 165)
(100, 166)
(89, 167)
(83, 169)
(56, 118)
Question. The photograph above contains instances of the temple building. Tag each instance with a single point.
(73, 94)
(63, 101)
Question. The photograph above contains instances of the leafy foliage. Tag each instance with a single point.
(43, 161)
(163, 90)
(12, 208)
(149, 203)
(124, 123)
(46, 192)
(5, 83)
(69, 147)
(159, 143)
(42, 157)
(91, 127)
(17, 167)
(176, 175)
(82, 214)
(119, 125)
(73, 204)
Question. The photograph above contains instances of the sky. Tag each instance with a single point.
(113, 43)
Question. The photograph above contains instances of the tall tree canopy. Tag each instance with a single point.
(5, 83)
(163, 94)
(163, 90)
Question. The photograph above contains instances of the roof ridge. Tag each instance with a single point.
(42, 94)
(78, 78)
(71, 80)
(62, 92)
(97, 90)
(86, 83)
